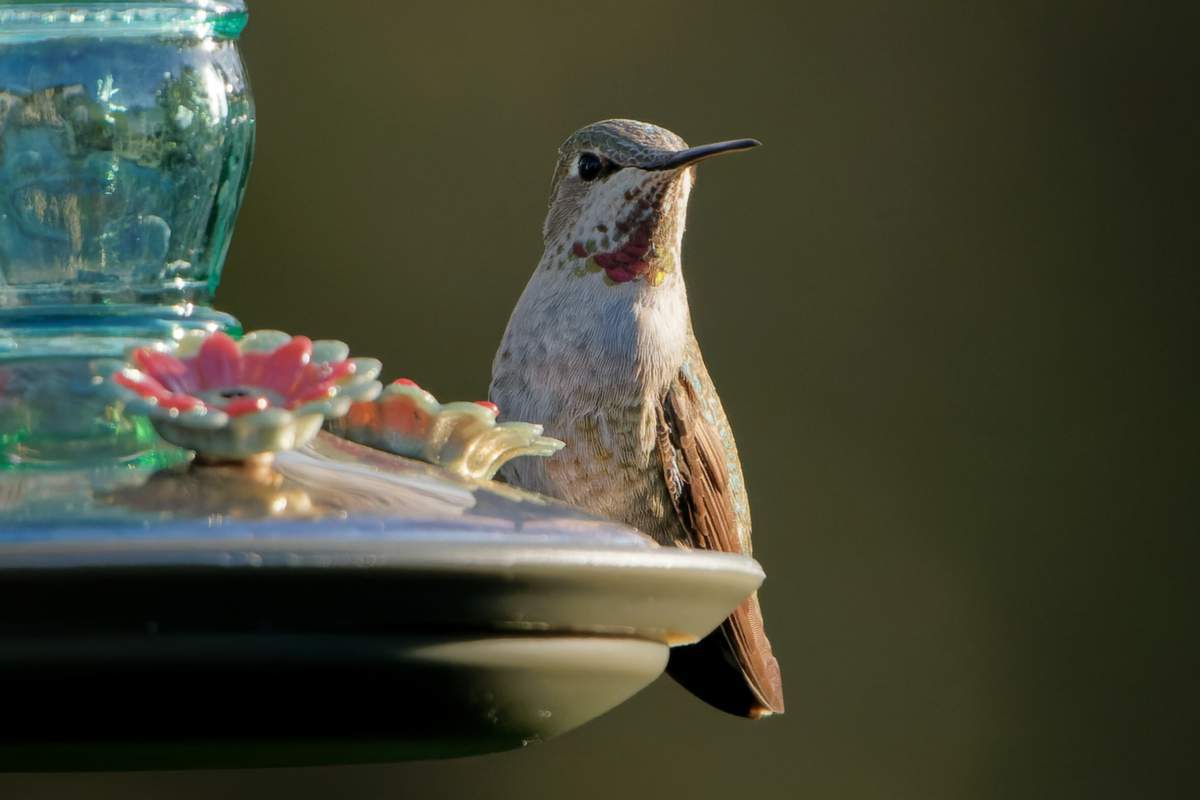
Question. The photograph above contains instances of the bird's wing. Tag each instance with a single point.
(733, 668)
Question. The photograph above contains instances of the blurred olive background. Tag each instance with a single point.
(951, 307)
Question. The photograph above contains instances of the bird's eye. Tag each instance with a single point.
(590, 166)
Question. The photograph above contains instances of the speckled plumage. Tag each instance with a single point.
(600, 350)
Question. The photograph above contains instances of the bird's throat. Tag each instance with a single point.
(635, 259)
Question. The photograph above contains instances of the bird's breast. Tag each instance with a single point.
(590, 363)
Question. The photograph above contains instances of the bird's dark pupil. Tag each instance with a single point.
(589, 166)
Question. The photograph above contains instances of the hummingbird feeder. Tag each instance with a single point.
(190, 567)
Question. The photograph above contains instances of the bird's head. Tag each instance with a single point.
(619, 199)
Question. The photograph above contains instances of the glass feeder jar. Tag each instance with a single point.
(126, 134)
(126, 131)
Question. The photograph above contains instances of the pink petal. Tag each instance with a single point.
(218, 363)
(245, 405)
(328, 371)
(490, 406)
(182, 402)
(150, 388)
(340, 369)
(145, 386)
(285, 366)
(319, 377)
(165, 368)
(254, 366)
(405, 382)
(318, 391)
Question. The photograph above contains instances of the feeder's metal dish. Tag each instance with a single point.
(344, 605)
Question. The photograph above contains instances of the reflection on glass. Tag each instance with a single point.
(122, 157)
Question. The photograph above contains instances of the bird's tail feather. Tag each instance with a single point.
(733, 668)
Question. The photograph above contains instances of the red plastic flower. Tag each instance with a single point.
(232, 399)
(220, 376)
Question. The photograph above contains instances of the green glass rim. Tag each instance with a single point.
(24, 20)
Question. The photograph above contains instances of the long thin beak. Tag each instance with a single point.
(682, 158)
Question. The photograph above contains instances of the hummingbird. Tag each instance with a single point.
(600, 350)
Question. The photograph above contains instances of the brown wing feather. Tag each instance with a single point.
(733, 668)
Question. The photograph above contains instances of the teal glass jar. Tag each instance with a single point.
(126, 135)
(126, 132)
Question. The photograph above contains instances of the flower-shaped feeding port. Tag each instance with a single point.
(462, 437)
(244, 400)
